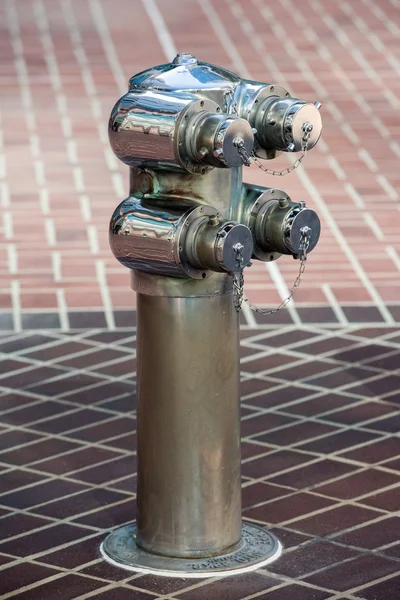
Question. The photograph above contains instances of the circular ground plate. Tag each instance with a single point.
(258, 549)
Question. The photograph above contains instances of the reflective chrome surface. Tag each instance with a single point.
(212, 245)
(170, 189)
(298, 218)
(253, 201)
(153, 125)
(280, 122)
(142, 127)
(154, 130)
(142, 237)
(212, 140)
(185, 72)
(248, 101)
(176, 242)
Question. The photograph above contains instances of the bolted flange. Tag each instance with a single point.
(257, 549)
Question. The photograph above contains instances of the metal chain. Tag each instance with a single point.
(239, 143)
(238, 278)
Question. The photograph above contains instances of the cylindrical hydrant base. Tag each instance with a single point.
(258, 548)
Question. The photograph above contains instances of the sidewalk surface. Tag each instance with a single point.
(64, 63)
(320, 380)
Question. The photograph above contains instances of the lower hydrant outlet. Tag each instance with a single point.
(188, 231)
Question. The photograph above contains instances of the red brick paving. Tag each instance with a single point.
(325, 480)
(63, 63)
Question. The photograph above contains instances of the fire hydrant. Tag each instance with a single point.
(187, 231)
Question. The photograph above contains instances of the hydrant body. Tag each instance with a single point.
(187, 231)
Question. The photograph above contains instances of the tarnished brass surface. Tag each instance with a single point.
(158, 285)
(189, 501)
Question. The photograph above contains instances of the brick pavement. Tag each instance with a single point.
(320, 466)
(63, 63)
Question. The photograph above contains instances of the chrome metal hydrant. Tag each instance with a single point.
(187, 231)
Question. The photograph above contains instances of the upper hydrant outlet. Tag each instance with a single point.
(186, 114)
(150, 129)
(288, 124)
(211, 139)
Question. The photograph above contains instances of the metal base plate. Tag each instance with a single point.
(258, 549)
